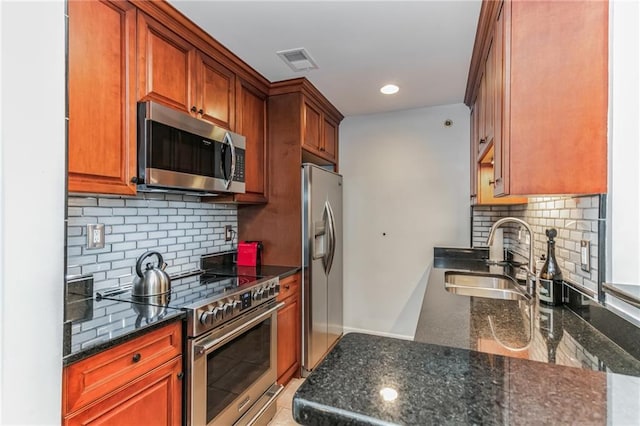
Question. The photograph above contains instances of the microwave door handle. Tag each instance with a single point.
(229, 141)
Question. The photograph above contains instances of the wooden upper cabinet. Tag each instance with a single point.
(166, 66)
(252, 113)
(215, 92)
(101, 96)
(473, 155)
(330, 139)
(311, 125)
(551, 71)
(173, 72)
(251, 122)
(320, 131)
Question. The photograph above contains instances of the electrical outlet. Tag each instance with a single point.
(95, 236)
(228, 233)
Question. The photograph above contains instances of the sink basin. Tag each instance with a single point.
(490, 286)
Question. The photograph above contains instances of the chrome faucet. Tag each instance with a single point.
(530, 270)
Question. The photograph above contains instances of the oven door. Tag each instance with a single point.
(232, 368)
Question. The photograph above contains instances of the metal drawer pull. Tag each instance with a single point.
(136, 358)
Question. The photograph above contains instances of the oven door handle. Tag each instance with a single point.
(206, 347)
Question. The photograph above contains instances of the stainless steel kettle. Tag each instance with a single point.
(153, 280)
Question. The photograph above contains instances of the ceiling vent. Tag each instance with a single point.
(298, 59)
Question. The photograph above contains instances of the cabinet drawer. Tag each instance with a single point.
(154, 399)
(289, 286)
(96, 376)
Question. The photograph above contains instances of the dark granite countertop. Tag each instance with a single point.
(442, 385)
(280, 271)
(462, 368)
(505, 326)
(110, 323)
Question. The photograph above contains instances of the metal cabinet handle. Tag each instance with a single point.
(194, 109)
(201, 111)
(483, 140)
(287, 287)
(136, 358)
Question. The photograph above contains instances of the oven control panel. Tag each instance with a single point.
(217, 312)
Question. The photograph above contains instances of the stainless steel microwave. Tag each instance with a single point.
(180, 153)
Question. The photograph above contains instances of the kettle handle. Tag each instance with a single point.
(144, 256)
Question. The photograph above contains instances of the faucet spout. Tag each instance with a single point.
(531, 267)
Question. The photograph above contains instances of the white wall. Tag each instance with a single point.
(624, 146)
(32, 197)
(406, 175)
(623, 227)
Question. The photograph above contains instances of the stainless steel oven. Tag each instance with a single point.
(233, 370)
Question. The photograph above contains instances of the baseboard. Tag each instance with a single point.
(348, 330)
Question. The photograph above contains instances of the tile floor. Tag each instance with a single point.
(283, 416)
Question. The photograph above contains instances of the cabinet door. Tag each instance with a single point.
(154, 399)
(473, 156)
(500, 150)
(252, 123)
(165, 66)
(557, 107)
(93, 378)
(288, 339)
(480, 105)
(311, 125)
(102, 114)
(329, 145)
(289, 329)
(215, 93)
(489, 94)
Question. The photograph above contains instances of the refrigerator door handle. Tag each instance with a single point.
(332, 238)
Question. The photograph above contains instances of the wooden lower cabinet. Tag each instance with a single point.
(154, 399)
(136, 382)
(289, 329)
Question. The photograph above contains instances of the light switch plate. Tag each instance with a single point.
(585, 255)
(95, 236)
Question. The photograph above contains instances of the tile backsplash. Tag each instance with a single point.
(575, 218)
(179, 227)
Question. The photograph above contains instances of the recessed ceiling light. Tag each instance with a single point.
(389, 89)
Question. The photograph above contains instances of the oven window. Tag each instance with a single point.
(234, 367)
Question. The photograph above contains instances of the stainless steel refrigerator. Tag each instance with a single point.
(321, 263)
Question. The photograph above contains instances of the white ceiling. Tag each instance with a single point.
(422, 46)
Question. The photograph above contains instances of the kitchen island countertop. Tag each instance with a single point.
(373, 380)
(461, 370)
(532, 331)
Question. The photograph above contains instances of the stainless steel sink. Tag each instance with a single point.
(491, 286)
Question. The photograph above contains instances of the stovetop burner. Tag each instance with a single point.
(209, 298)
